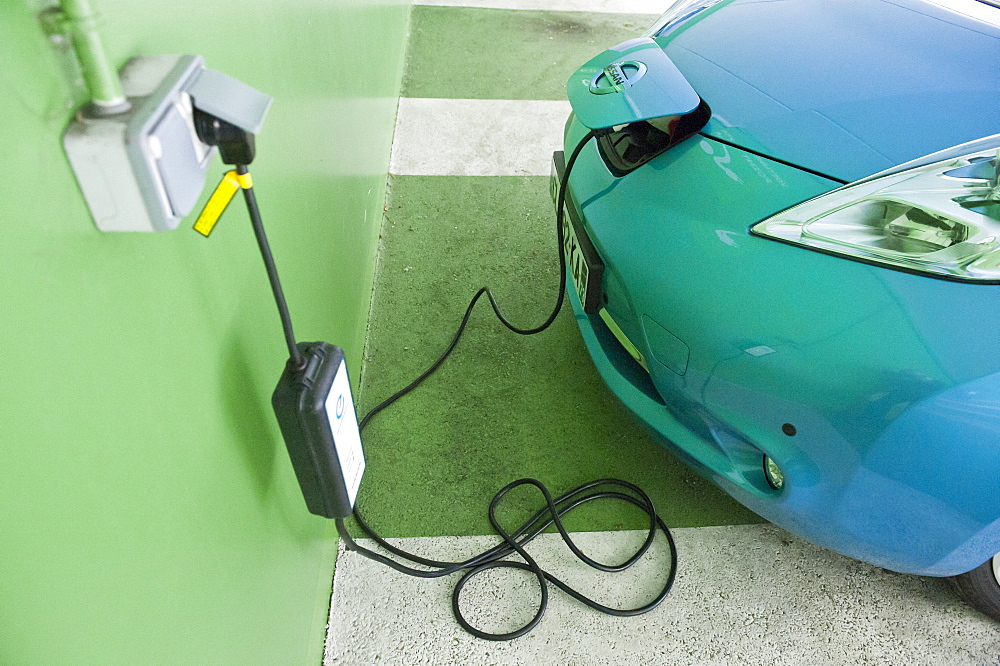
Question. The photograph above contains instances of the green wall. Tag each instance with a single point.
(148, 510)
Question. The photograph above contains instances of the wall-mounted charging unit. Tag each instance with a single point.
(141, 157)
(312, 401)
(141, 163)
(140, 150)
(143, 168)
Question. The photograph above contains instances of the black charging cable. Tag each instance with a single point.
(237, 147)
(551, 514)
(560, 239)
(554, 510)
(515, 541)
(295, 356)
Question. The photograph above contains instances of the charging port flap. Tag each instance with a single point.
(627, 83)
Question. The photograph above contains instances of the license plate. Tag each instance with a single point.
(582, 261)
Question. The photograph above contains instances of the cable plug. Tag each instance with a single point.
(236, 145)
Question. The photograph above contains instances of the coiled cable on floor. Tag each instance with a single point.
(515, 541)
(554, 509)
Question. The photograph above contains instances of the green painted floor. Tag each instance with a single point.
(504, 406)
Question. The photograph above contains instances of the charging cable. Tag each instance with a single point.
(554, 509)
(560, 239)
(238, 150)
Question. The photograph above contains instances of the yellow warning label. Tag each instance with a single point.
(217, 203)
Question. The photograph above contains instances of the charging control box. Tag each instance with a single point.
(315, 411)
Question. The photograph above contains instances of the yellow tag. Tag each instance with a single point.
(217, 203)
(246, 182)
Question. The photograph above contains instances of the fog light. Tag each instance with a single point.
(773, 474)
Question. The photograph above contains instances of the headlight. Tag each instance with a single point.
(677, 13)
(941, 219)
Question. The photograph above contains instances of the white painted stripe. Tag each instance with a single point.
(602, 6)
(748, 594)
(476, 137)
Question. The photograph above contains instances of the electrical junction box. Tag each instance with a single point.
(144, 169)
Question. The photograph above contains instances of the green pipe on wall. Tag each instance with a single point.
(101, 79)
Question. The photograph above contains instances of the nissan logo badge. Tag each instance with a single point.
(617, 76)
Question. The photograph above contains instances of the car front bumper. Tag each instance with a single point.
(855, 482)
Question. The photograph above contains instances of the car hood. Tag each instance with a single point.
(845, 88)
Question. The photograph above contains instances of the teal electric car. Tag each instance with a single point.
(783, 250)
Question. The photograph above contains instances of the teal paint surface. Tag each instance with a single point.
(868, 387)
(151, 514)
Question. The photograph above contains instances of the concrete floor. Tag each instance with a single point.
(482, 111)
(748, 594)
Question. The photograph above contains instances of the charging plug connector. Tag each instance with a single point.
(236, 145)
